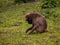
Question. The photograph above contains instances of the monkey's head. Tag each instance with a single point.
(29, 19)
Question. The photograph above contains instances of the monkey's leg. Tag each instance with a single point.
(45, 30)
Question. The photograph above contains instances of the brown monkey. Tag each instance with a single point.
(38, 22)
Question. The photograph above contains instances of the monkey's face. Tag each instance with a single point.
(28, 19)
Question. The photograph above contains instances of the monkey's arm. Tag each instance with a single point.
(33, 28)
(29, 29)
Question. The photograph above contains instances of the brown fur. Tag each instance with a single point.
(38, 22)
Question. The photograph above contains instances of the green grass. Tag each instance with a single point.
(13, 27)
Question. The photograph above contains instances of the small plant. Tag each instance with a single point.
(49, 3)
(49, 13)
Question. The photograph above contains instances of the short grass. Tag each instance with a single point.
(13, 27)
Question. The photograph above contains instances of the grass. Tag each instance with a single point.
(13, 27)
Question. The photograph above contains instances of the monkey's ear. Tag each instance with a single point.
(26, 16)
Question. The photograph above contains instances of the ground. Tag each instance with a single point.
(13, 27)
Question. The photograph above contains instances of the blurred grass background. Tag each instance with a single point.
(13, 24)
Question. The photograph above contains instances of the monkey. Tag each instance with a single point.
(38, 21)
